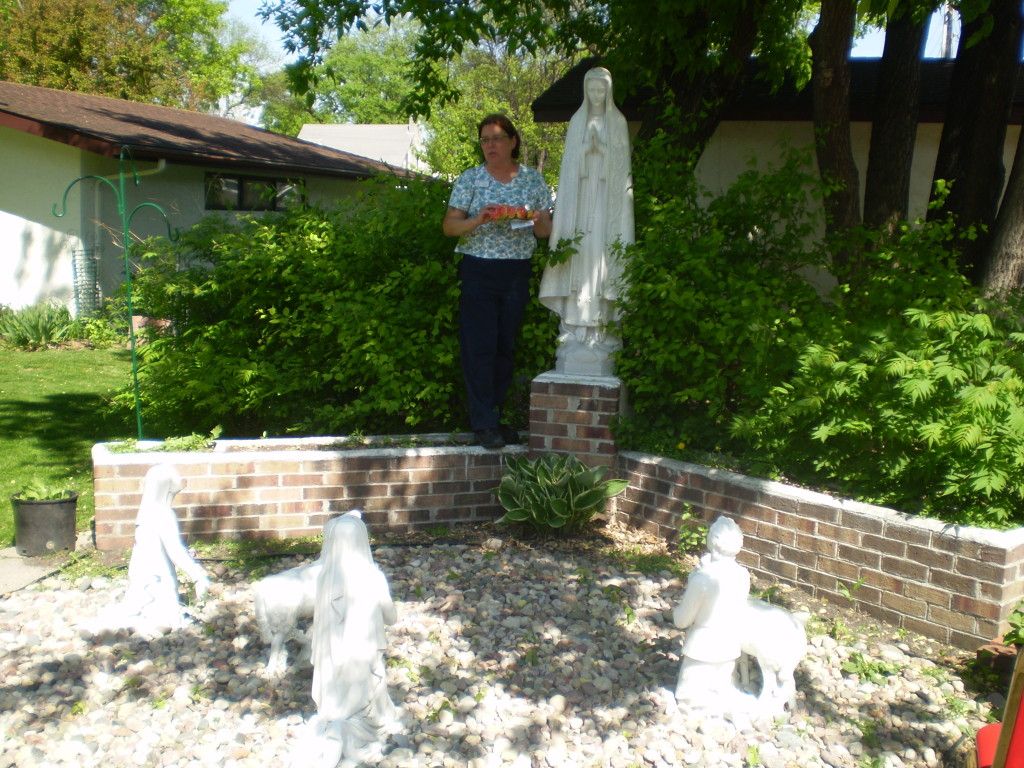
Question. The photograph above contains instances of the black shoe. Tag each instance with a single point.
(509, 435)
(490, 439)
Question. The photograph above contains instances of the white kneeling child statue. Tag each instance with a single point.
(712, 609)
(724, 626)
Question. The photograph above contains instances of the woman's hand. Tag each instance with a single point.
(457, 222)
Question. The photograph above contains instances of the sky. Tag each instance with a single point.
(245, 11)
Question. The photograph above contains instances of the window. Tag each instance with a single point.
(250, 193)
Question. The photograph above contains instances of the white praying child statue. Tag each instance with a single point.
(352, 608)
(151, 605)
(712, 610)
(595, 205)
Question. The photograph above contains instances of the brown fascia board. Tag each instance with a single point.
(60, 134)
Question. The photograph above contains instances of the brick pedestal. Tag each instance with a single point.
(573, 414)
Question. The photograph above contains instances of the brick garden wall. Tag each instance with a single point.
(286, 488)
(952, 583)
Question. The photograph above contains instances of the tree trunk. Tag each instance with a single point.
(830, 79)
(971, 148)
(1004, 269)
(894, 127)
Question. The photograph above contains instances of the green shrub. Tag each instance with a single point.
(315, 321)
(911, 395)
(106, 327)
(554, 493)
(35, 327)
(925, 414)
(716, 307)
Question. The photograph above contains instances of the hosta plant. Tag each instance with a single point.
(554, 493)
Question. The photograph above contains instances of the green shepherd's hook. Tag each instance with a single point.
(120, 195)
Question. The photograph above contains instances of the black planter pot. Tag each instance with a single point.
(44, 527)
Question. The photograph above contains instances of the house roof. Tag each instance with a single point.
(392, 143)
(102, 125)
(756, 101)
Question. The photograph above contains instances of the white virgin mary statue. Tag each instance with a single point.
(352, 609)
(595, 207)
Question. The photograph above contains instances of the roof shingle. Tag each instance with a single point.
(103, 125)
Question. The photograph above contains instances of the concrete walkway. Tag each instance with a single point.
(17, 572)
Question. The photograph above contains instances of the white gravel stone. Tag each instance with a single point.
(522, 657)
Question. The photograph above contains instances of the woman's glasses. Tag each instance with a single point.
(484, 140)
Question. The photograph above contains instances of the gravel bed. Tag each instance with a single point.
(523, 656)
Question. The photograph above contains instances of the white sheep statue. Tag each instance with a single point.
(281, 600)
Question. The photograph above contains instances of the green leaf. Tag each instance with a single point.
(615, 487)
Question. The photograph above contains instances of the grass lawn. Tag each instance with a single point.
(52, 409)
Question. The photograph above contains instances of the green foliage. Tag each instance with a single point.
(174, 52)
(35, 327)
(870, 670)
(315, 321)
(638, 559)
(693, 531)
(364, 76)
(1015, 634)
(716, 308)
(43, 490)
(106, 327)
(88, 564)
(494, 79)
(924, 412)
(175, 444)
(656, 46)
(554, 493)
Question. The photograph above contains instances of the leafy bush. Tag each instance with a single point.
(554, 492)
(716, 305)
(104, 328)
(35, 327)
(315, 321)
(925, 415)
(911, 396)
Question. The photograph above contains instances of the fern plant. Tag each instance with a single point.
(554, 493)
(925, 414)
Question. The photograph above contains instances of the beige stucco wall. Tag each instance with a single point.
(736, 143)
(180, 191)
(36, 246)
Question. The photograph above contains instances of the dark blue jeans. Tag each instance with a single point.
(491, 309)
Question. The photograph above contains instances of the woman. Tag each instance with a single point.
(595, 204)
(352, 608)
(495, 270)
